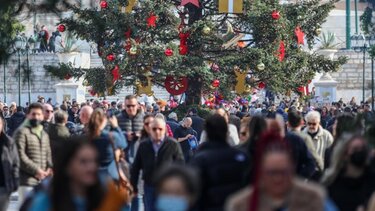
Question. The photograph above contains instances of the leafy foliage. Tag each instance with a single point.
(143, 50)
(328, 41)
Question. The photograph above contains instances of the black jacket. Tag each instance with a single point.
(149, 162)
(303, 160)
(10, 163)
(15, 121)
(221, 170)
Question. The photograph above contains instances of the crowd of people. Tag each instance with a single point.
(134, 156)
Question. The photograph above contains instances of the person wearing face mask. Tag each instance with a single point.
(177, 189)
(350, 179)
(34, 150)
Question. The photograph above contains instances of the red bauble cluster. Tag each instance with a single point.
(261, 85)
(103, 4)
(215, 83)
(67, 76)
(111, 57)
(168, 52)
(61, 28)
(275, 15)
(183, 49)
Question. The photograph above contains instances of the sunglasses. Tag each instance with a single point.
(243, 133)
(157, 129)
(312, 123)
(131, 106)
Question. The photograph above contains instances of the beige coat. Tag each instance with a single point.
(303, 197)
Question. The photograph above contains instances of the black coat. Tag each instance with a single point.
(10, 163)
(349, 193)
(15, 121)
(149, 162)
(303, 160)
(221, 170)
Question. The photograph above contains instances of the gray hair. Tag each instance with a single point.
(312, 115)
(160, 116)
(60, 117)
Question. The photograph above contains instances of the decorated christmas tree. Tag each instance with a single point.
(200, 47)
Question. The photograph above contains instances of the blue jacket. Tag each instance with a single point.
(106, 156)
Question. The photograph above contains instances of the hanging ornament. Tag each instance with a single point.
(133, 51)
(275, 15)
(111, 57)
(206, 30)
(301, 90)
(281, 51)
(215, 83)
(261, 66)
(61, 28)
(67, 76)
(115, 73)
(176, 86)
(241, 81)
(144, 88)
(261, 85)
(300, 35)
(231, 6)
(151, 21)
(128, 33)
(168, 52)
(193, 2)
(183, 49)
(241, 44)
(92, 92)
(318, 31)
(103, 4)
(215, 67)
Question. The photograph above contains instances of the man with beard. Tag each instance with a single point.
(34, 151)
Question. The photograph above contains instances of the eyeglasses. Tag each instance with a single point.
(243, 133)
(131, 106)
(312, 123)
(157, 129)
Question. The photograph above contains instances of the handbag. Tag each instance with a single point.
(123, 185)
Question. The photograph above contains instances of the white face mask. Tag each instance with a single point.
(170, 202)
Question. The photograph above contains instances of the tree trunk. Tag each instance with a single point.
(194, 91)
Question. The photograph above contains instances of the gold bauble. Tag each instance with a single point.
(206, 30)
(261, 66)
(133, 51)
(318, 31)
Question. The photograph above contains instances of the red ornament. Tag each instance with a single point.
(92, 92)
(115, 73)
(261, 85)
(61, 28)
(183, 49)
(300, 35)
(111, 57)
(276, 15)
(176, 86)
(193, 2)
(168, 52)
(151, 21)
(215, 83)
(103, 4)
(67, 76)
(309, 81)
(128, 33)
(281, 51)
(301, 90)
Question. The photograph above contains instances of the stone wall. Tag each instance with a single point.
(350, 77)
(41, 83)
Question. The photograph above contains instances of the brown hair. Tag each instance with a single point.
(96, 119)
(130, 97)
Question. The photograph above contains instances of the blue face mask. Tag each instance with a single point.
(168, 203)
